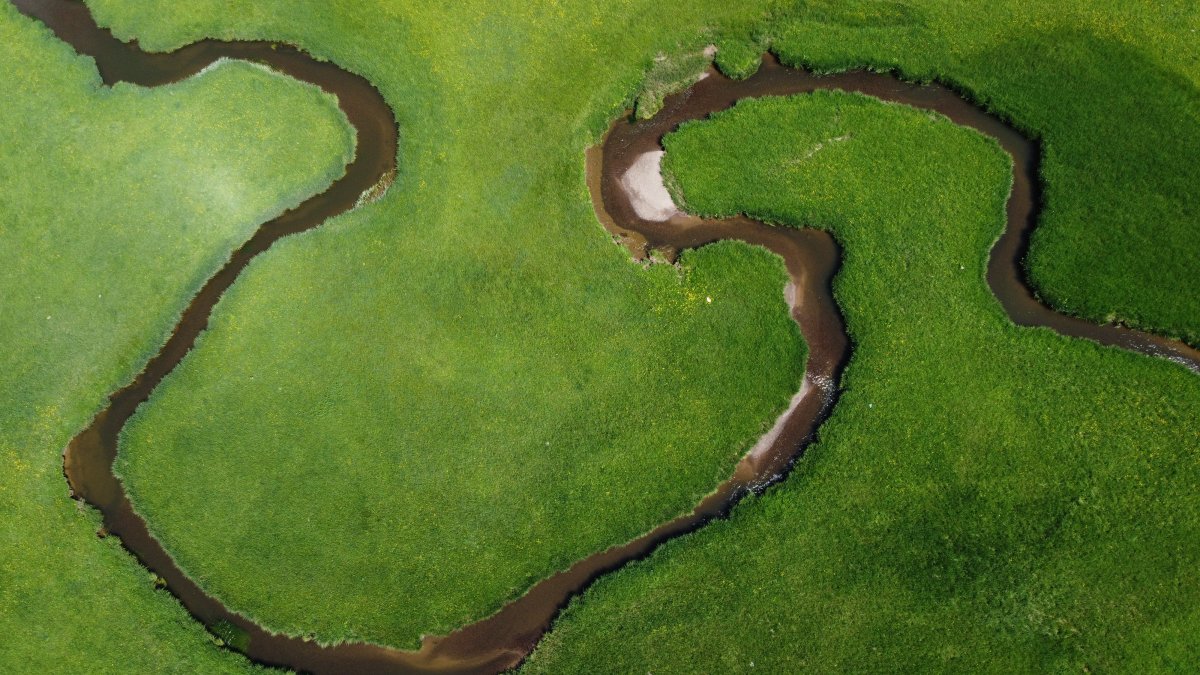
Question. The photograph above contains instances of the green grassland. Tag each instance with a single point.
(456, 385)
(431, 402)
(115, 205)
(985, 498)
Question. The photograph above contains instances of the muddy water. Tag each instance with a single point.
(812, 257)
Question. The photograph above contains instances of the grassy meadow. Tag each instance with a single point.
(986, 498)
(466, 380)
(115, 205)
(404, 418)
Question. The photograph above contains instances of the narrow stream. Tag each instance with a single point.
(811, 257)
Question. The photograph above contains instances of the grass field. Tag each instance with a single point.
(433, 401)
(985, 497)
(114, 207)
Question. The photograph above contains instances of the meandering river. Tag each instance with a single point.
(811, 257)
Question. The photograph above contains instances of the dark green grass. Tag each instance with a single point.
(984, 498)
(667, 75)
(115, 205)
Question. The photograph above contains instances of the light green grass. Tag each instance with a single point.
(115, 205)
(984, 498)
(436, 341)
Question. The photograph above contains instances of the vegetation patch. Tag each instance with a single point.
(666, 76)
(740, 56)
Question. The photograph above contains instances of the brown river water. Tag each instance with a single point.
(812, 258)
